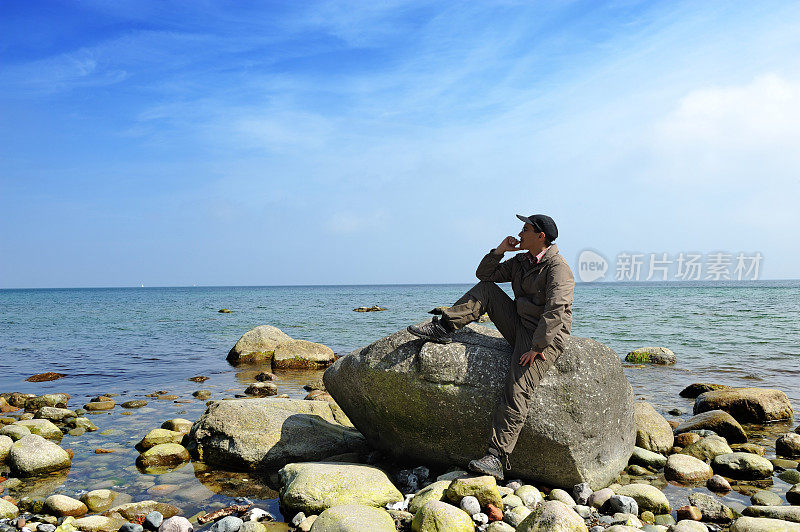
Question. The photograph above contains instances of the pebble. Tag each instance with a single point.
(621, 504)
(153, 520)
(298, 518)
(129, 527)
(689, 512)
(600, 497)
(480, 518)
(46, 527)
(470, 505)
(514, 484)
(581, 493)
(766, 498)
(583, 511)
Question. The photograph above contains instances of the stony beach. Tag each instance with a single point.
(365, 448)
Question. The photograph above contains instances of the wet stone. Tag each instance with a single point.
(137, 403)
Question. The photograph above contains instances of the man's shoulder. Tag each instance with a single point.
(559, 266)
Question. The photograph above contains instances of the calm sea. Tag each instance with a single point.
(134, 341)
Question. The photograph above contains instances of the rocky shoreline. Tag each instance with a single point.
(334, 467)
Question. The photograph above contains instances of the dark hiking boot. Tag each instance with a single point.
(433, 332)
(488, 465)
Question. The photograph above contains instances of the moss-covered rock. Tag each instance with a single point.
(313, 487)
(431, 492)
(301, 354)
(437, 516)
(483, 488)
(353, 518)
(651, 355)
(158, 437)
(647, 497)
(552, 516)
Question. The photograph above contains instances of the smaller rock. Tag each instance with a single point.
(153, 520)
(98, 500)
(558, 494)
(529, 495)
(61, 505)
(495, 513)
(694, 390)
(687, 525)
(45, 377)
(176, 524)
(511, 501)
(516, 515)
(262, 389)
(480, 518)
(158, 437)
(600, 497)
(790, 476)
(581, 492)
(744, 466)
(136, 403)
(651, 355)
(470, 505)
(766, 498)
(687, 469)
(685, 439)
(788, 445)
(689, 512)
(793, 495)
(711, 509)
(228, 524)
(647, 458)
(748, 448)
(131, 527)
(621, 504)
(718, 484)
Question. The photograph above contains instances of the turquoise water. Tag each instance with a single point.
(134, 341)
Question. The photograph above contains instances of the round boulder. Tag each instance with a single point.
(34, 455)
(687, 469)
(438, 515)
(157, 437)
(257, 345)
(61, 505)
(647, 497)
(653, 432)
(163, 455)
(747, 405)
(353, 518)
(742, 466)
(718, 421)
(410, 398)
(651, 355)
(707, 448)
(553, 516)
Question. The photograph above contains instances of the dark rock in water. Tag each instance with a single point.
(374, 308)
(693, 390)
(224, 311)
(433, 403)
(44, 377)
(265, 376)
(718, 421)
(262, 389)
(199, 378)
(747, 405)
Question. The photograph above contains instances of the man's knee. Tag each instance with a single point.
(484, 290)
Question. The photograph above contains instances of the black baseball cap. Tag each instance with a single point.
(542, 223)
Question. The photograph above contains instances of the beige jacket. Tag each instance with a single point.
(542, 292)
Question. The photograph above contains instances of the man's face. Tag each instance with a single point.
(529, 238)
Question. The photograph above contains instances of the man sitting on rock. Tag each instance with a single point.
(536, 323)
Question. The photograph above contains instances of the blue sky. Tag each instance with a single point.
(241, 143)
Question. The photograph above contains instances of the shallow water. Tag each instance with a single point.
(134, 341)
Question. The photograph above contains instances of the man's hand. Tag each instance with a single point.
(509, 243)
(527, 358)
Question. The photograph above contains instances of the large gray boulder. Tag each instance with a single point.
(433, 403)
(265, 433)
